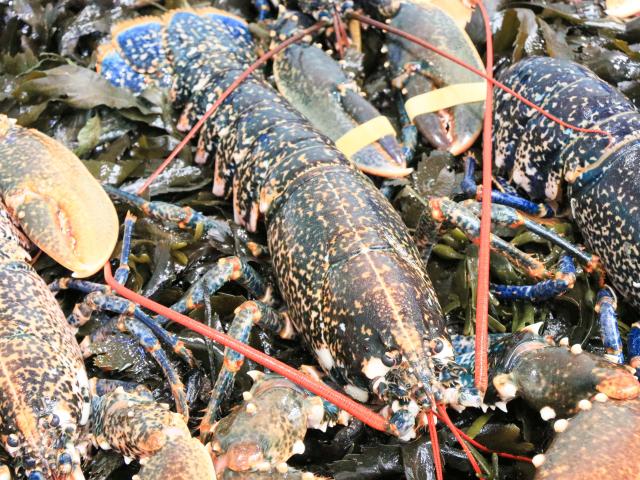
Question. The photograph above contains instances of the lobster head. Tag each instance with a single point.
(55, 200)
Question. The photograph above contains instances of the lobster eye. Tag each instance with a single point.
(55, 420)
(391, 358)
(30, 462)
(36, 476)
(64, 459)
(437, 345)
(12, 440)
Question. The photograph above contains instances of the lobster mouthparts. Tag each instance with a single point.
(78, 226)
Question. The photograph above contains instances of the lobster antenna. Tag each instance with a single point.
(481, 378)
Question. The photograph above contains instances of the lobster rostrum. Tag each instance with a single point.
(326, 223)
(44, 390)
(595, 175)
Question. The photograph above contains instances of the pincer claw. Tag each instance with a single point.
(77, 227)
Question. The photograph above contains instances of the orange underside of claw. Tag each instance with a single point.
(56, 201)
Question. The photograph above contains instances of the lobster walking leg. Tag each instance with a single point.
(507, 198)
(247, 315)
(185, 217)
(226, 270)
(444, 209)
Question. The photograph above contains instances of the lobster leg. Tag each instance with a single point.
(564, 279)
(226, 270)
(263, 9)
(609, 332)
(507, 198)
(509, 217)
(444, 209)
(247, 315)
(133, 320)
(185, 217)
(409, 133)
(633, 347)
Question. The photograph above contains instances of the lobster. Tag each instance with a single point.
(594, 175)
(46, 399)
(44, 390)
(326, 223)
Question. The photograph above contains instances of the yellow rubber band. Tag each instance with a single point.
(446, 97)
(359, 137)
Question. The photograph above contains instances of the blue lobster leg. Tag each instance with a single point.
(409, 133)
(102, 300)
(507, 198)
(608, 320)
(263, 9)
(633, 347)
(511, 218)
(443, 209)
(133, 320)
(564, 279)
(184, 217)
(226, 269)
(122, 272)
(247, 315)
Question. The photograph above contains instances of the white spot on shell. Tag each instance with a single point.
(584, 404)
(561, 425)
(373, 368)
(298, 447)
(547, 413)
(576, 349)
(325, 359)
(538, 460)
(601, 397)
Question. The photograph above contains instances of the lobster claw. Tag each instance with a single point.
(55, 200)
